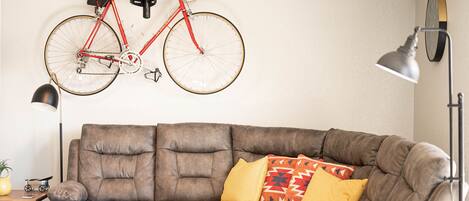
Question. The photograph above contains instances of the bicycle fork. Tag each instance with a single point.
(186, 12)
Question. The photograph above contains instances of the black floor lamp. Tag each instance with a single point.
(403, 64)
(47, 98)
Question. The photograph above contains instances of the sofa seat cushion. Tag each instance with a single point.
(193, 161)
(117, 162)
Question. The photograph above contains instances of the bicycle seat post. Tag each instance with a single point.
(98, 11)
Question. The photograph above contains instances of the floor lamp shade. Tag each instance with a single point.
(402, 62)
(46, 97)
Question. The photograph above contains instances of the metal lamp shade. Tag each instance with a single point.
(401, 65)
(402, 62)
(46, 97)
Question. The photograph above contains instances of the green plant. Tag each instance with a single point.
(4, 168)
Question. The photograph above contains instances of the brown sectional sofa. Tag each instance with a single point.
(190, 161)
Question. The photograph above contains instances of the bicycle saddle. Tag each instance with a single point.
(146, 4)
(100, 3)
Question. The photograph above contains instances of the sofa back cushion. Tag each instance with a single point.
(352, 148)
(406, 171)
(252, 143)
(397, 169)
(192, 161)
(117, 162)
(388, 170)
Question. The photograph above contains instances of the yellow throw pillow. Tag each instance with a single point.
(245, 181)
(326, 187)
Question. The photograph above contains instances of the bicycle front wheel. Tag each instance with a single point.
(219, 65)
(76, 74)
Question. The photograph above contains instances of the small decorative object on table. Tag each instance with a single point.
(5, 184)
(42, 187)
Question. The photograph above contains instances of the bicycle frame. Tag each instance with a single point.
(111, 4)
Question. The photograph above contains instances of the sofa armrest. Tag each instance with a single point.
(73, 152)
(443, 192)
(68, 191)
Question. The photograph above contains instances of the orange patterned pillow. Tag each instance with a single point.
(306, 169)
(279, 172)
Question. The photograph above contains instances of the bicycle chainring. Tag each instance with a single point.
(134, 60)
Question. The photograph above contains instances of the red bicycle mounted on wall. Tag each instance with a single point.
(203, 52)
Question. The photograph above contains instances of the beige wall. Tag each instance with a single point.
(309, 64)
(431, 94)
(1, 47)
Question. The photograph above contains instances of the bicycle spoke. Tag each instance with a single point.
(181, 50)
(186, 72)
(59, 61)
(68, 40)
(68, 46)
(215, 56)
(186, 64)
(224, 45)
(181, 38)
(61, 55)
(215, 68)
(108, 43)
(180, 56)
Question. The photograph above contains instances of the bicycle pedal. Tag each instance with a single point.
(154, 75)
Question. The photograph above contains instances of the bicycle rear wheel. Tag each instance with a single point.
(81, 75)
(223, 57)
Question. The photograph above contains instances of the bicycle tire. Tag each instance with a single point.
(49, 71)
(226, 85)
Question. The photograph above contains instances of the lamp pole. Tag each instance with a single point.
(61, 139)
(451, 105)
(54, 77)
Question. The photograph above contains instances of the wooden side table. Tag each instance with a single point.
(16, 195)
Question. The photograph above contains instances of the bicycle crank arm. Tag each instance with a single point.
(124, 61)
